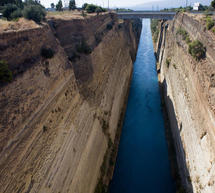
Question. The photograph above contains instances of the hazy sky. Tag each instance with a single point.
(128, 3)
(113, 3)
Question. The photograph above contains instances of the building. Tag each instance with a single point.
(196, 6)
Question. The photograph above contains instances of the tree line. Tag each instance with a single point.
(89, 8)
(30, 9)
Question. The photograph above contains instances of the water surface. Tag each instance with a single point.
(142, 163)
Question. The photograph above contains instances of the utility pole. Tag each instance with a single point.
(108, 6)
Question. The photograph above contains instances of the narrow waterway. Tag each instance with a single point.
(142, 163)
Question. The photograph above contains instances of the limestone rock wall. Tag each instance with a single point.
(55, 125)
(189, 98)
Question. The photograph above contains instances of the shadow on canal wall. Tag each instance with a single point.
(177, 155)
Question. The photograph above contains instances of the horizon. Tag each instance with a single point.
(132, 5)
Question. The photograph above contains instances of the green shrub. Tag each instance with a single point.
(109, 26)
(84, 6)
(209, 23)
(83, 47)
(34, 12)
(19, 3)
(16, 14)
(188, 41)
(98, 10)
(213, 30)
(168, 61)
(91, 8)
(183, 33)
(47, 52)
(197, 50)
(8, 10)
(5, 72)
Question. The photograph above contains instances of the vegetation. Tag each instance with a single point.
(47, 52)
(98, 10)
(18, 3)
(183, 33)
(122, 10)
(185, 36)
(197, 50)
(209, 23)
(213, 30)
(109, 26)
(34, 12)
(189, 8)
(91, 8)
(5, 72)
(213, 4)
(30, 9)
(84, 6)
(83, 47)
(52, 5)
(59, 6)
(72, 5)
(168, 61)
(8, 10)
(155, 29)
(45, 128)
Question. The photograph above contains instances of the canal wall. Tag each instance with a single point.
(188, 90)
(60, 114)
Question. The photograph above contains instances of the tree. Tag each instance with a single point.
(213, 3)
(52, 5)
(72, 5)
(59, 6)
(91, 8)
(19, 3)
(34, 12)
(98, 10)
(8, 10)
(84, 6)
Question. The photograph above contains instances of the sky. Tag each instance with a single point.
(129, 3)
(103, 3)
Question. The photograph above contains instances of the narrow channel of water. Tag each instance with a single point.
(142, 163)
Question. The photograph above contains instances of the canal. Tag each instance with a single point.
(142, 162)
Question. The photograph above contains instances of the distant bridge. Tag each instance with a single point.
(146, 14)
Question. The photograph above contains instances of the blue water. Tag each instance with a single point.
(142, 162)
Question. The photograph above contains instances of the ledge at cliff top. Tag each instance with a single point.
(186, 56)
(62, 108)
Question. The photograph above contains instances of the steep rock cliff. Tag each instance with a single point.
(59, 116)
(188, 89)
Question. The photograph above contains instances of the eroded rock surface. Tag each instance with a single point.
(59, 116)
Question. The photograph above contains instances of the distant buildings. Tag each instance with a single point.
(196, 6)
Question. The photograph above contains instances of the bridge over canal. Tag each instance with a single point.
(146, 14)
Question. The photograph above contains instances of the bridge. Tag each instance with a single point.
(146, 14)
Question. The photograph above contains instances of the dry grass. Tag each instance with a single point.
(21, 24)
(70, 14)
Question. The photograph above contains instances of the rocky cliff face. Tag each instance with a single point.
(188, 89)
(59, 116)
